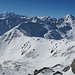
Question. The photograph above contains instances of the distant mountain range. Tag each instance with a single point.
(37, 45)
(46, 27)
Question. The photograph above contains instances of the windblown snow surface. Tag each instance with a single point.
(36, 45)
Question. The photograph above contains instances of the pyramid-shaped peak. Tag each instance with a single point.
(69, 16)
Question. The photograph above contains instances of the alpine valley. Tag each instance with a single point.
(37, 45)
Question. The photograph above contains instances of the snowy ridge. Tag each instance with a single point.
(36, 45)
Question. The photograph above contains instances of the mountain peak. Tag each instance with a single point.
(69, 17)
(7, 14)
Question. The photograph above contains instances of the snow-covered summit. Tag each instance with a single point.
(69, 17)
(6, 14)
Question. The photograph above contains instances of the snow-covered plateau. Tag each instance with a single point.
(37, 45)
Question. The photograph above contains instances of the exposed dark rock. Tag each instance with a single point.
(66, 69)
(73, 66)
(56, 65)
(41, 70)
(36, 72)
(58, 73)
(3, 73)
(52, 51)
(29, 74)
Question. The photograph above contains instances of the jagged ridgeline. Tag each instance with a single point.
(46, 27)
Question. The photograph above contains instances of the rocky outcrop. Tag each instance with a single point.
(44, 69)
(73, 66)
(58, 73)
(66, 69)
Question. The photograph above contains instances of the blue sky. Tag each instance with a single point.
(53, 8)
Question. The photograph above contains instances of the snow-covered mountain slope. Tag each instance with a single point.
(21, 54)
(36, 45)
